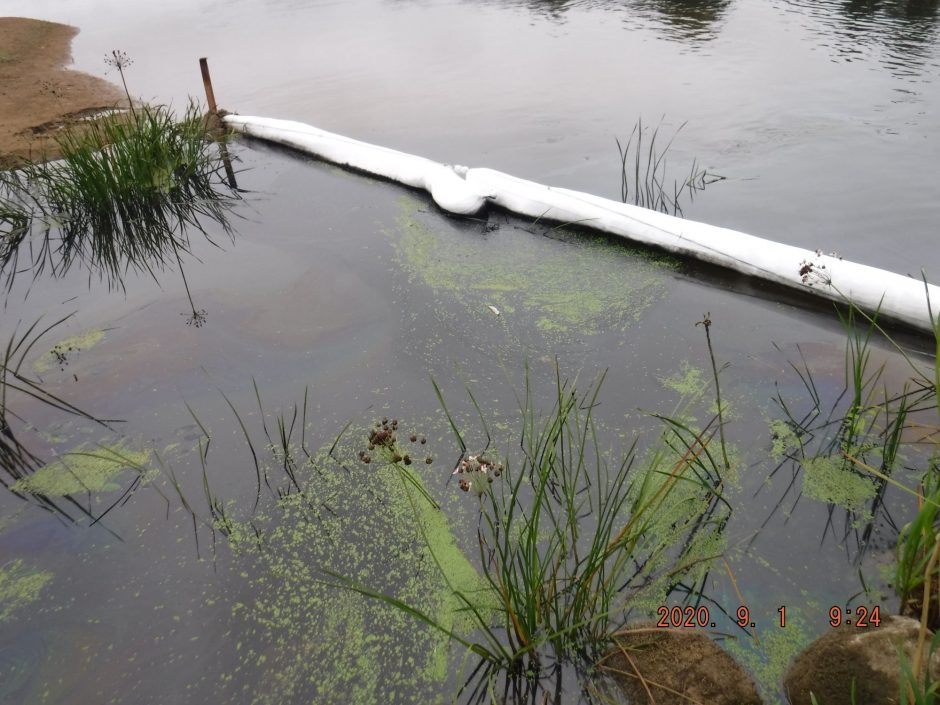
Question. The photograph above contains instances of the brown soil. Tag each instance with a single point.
(38, 95)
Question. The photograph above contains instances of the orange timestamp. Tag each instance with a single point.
(862, 617)
(700, 617)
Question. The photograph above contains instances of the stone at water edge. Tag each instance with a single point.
(684, 661)
(869, 655)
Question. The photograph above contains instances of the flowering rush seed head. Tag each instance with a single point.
(118, 59)
(476, 473)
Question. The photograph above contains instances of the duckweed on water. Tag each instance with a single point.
(688, 382)
(571, 284)
(87, 468)
(827, 479)
(692, 384)
(309, 640)
(768, 659)
(61, 352)
(20, 586)
(783, 440)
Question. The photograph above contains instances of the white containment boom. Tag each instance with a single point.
(465, 191)
(447, 189)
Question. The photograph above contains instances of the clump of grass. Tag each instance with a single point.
(124, 196)
(125, 193)
(571, 537)
(644, 178)
(564, 581)
(868, 436)
(850, 448)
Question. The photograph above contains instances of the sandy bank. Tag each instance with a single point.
(38, 95)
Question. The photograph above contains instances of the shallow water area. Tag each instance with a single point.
(362, 298)
(340, 297)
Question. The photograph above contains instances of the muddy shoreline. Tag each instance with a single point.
(38, 94)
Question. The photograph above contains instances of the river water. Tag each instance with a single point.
(821, 116)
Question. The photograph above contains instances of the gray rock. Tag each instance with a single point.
(868, 655)
(678, 667)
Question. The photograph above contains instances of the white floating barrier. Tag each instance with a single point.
(897, 297)
(447, 189)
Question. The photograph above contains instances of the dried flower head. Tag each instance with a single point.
(118, 59)
(197, 319)
(475, 473)
(812, 272)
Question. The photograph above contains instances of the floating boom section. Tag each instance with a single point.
(871, 289)
(465, 191)
(447, 189)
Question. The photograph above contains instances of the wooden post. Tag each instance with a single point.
(214, 112)
(207, 82)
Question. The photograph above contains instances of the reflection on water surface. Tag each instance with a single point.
(361, 291)
(901, 34)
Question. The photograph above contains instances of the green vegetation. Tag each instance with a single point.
(849, 448)
(321, 513)
(645, 170)
(353, 566)
(20, 586)
(59, 354)
(769, 657)
(84, 469)
(832, 481)
(123, 197)
(878, 439)
(572, 538)
(580, 286)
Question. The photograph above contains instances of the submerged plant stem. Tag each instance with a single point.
(706, 323)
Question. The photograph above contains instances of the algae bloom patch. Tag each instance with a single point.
(829, 480)
(558, 284)
(61, 353)
(309, 638)
(83, 469)
(20, 586)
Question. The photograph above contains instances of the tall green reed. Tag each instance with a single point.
(570, 539)
(855, 442)
(124, 196)
(644, 177)
(875, 432)
(18, 460)
(573, 537)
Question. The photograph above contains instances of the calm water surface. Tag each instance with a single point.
(822, 118)
(819, 113)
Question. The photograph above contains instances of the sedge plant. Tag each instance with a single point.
(871, 436)
(571, 536)
(643, 173)
(123, 197)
